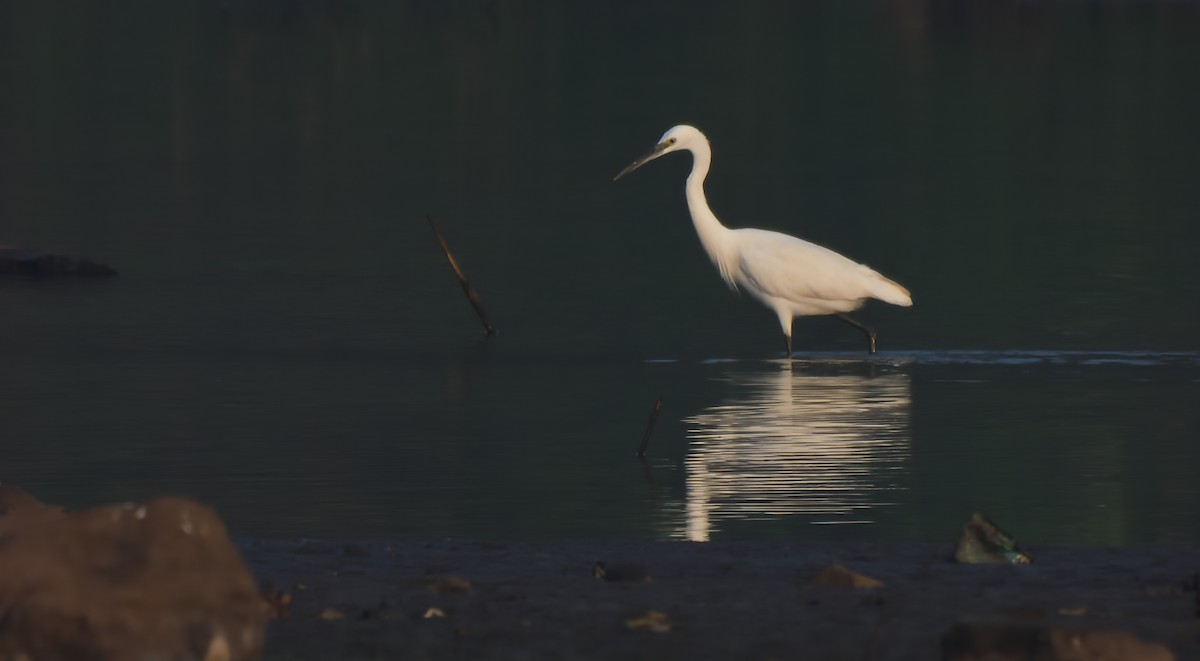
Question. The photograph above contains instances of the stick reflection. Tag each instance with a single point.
(830, 447)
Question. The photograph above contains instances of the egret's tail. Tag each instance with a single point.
(887, 290)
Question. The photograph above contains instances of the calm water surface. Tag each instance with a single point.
(286, 342)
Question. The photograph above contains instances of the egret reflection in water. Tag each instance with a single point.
(826, 446)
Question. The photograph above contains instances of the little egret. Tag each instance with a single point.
(791, 276)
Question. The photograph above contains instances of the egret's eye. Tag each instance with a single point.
(671, 141)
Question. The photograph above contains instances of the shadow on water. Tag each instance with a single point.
(823, 443)
(824, 361)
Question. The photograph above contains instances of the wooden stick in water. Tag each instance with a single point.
(649, 428)
(472, 295)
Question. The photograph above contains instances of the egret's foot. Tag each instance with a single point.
(787, 346)
(867, 330)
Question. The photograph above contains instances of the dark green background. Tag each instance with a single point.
(285, 340)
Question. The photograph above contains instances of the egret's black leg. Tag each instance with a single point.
(787, 343)
(866, 329)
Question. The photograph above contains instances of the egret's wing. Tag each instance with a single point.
(785, 267)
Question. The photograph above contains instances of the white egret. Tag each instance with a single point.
(791, 276)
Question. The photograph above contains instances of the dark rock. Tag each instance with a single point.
(983, 542)
(378, 613)
(36, 263)
(332, 615)
(837, 575)
(159, 580)
(1002, 641)
(449, 585)
(655, 621)
(355, 551)
(635, 573)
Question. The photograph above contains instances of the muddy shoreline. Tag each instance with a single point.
(718, 600)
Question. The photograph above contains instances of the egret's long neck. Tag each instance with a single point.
(712, 232)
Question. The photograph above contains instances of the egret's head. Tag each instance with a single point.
(678, 137)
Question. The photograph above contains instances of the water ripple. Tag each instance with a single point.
(973, 357)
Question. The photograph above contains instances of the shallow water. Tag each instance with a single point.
(286, 342)
(1064, 447)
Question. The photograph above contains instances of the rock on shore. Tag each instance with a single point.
(38, 263)
(158, 580)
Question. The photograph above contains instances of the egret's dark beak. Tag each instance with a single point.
(654, 153)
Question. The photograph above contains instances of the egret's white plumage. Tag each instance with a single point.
(791, 276)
